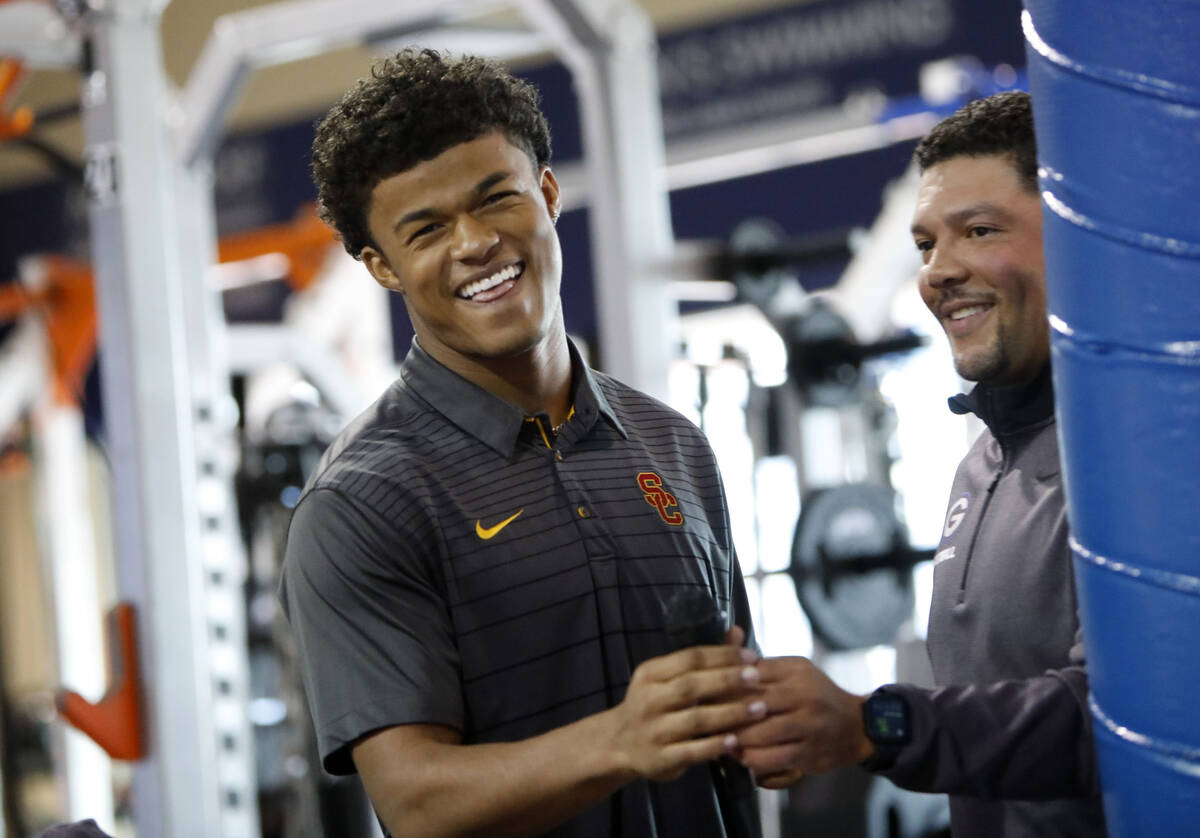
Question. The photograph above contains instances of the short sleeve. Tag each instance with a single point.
(372, 629)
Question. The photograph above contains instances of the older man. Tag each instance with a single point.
(1007, 732)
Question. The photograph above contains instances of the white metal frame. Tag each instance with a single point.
(70, 567)
(168, 424)
(610, 49)
(65, 536)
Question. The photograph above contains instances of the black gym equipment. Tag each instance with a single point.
(852, 565)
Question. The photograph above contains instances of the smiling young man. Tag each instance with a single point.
(477, 570)
(1007, 732)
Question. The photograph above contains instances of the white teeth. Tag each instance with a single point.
(469, 291)
(967, 312)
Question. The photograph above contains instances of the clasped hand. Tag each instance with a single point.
(685, 708)
(811, 725)
(781, 717)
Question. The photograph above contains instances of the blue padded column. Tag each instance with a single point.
(1116, 87)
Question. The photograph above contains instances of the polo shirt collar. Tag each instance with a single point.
(486, 416)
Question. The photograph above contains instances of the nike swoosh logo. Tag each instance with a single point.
(487, 533)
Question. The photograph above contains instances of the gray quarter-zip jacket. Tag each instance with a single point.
(1007, 733)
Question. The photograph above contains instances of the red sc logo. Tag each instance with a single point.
(658, 497)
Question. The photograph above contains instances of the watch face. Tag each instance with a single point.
(887, 719)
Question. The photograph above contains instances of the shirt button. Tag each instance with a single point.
(558, 456)
(584, 512)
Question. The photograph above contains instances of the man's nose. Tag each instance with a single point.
(943, 269)
(473, 239)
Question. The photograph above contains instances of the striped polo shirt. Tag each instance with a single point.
(453, 561)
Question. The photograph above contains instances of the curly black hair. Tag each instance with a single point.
(1001, 124)
(415, 105)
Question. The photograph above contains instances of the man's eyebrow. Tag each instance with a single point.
(958, 216)
(490, 181)
(415, 215)
(981, 208)
(429, 212)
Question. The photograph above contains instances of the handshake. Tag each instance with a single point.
(780, 717)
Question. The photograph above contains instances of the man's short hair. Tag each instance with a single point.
(413, 106)
(998, 125)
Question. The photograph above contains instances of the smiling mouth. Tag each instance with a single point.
(506, 274)
(963, 313)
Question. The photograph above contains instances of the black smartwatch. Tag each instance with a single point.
(888, 724)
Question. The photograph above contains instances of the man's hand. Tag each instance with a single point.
(812, 725)
(684, 708)
(680, 709)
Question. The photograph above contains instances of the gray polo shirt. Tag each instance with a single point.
(453, 561)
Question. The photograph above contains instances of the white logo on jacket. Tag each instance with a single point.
(958, 511)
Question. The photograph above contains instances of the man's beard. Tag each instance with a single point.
(986, 364)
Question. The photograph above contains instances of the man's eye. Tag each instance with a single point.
(979, 230)
(498, 196)
(424, 231)
(924, 245)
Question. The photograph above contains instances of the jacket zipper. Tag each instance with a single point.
(987, 499)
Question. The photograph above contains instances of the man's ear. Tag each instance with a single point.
(549, 186)
(379, 268)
